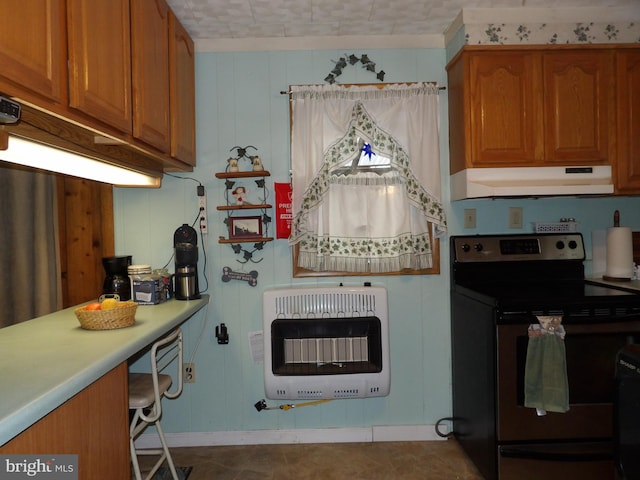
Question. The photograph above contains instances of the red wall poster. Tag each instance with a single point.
(283, 209)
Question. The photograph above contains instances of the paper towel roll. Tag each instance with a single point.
(619, 253)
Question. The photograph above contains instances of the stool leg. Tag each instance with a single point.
(132, 447)
(166, 451)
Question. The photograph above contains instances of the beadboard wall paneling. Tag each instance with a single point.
(239, 104)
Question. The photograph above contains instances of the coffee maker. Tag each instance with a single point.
(117, 279)
(185, 244)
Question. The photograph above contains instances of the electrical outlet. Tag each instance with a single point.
(202, 216)
(515, 217)
(469, 218)
(189, 374)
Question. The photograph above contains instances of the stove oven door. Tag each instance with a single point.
(583, 435)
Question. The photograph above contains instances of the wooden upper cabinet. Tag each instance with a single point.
(33, 51)
(123, 69)
(628, 121)
(504, 114)
(182, 98)
(150, 68)
(531, 107)
(99, 47)
(578, 93)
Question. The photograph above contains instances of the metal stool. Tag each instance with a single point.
(146, 391)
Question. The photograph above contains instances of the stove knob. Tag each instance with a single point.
(478, 247)
(465, 247)
(559, 244)
(573, 244)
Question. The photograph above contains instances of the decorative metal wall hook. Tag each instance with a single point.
(247, 255)
(241, 152)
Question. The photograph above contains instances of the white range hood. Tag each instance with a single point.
(531, 182)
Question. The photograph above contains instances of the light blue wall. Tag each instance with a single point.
(239, 104)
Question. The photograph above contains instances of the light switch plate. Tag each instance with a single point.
(469, 218)
(515, 217)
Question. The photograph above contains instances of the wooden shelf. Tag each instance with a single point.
(245, 240)
(258, 173)
(244, 207)
(257, 241)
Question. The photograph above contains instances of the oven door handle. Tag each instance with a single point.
(548, 454)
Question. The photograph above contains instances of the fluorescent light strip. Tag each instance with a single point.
(38, 155)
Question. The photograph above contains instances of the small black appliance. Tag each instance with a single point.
(185, 244)
(117, 280)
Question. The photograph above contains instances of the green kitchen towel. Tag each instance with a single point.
(546, 386)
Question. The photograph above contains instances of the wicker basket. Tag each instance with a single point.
(123, 315)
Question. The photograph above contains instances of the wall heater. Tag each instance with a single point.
(326, 342)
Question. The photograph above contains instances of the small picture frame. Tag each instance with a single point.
(242, 228)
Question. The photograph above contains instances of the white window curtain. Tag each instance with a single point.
(364, 219)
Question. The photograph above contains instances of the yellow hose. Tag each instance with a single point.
(289, 406)
(262, 405)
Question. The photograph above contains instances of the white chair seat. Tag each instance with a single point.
(141, 394)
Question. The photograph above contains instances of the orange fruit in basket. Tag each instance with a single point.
(94, 306)
(109, 303)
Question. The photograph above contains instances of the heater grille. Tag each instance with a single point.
(335, 350)
(326, 342)
(325, 304)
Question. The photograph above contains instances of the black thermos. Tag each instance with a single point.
(185, 244)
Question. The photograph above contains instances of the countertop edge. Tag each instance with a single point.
(152, 322)
(630, 285)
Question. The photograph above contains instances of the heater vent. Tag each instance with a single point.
(351, 393)
(326, 342)
(309, 394)
(319, 304)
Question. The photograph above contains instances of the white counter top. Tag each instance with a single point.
(47, 360)
(632, 285)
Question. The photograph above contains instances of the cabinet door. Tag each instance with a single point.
(505, 108)
(578, 89)
(33, 51)
(182, 86)
(100, 60)
(150, 68)
(628, 133)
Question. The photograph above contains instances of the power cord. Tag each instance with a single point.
(204, 255)
(205, 276)
(182, 178)
(193, 225)
(437, 426)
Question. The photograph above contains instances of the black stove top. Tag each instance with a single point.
(533, 274)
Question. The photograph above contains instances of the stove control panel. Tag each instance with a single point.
(524, 247)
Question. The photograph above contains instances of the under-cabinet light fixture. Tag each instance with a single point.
(38, 155)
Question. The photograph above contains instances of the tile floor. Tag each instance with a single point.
(441, 460)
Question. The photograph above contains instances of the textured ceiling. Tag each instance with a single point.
(235, 19)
